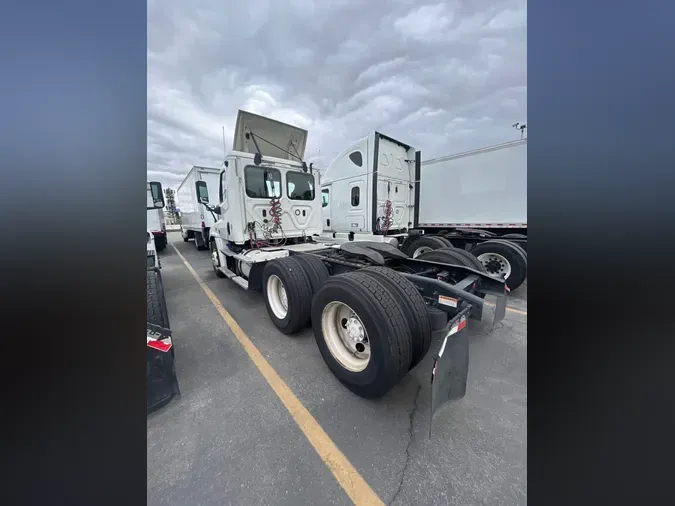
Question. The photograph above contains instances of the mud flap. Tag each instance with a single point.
(162, 383)
(450, 366)
(500, 309)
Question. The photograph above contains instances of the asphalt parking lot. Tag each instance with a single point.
(230, 440)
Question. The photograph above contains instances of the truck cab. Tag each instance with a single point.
(266, 192)
(370, 189)
(268, 197)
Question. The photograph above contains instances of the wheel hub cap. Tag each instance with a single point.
(355, 330)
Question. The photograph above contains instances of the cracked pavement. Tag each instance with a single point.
(228, 440)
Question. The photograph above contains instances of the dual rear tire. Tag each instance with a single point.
(371, 326)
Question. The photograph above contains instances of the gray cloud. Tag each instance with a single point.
(443, 76)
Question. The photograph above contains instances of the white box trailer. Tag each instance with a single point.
(156, 223)
(482, 189)
(196, 220)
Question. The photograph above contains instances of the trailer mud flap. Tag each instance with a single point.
(450, 366)
(162, 383)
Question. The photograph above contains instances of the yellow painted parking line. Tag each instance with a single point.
(509, 309)
(345, 473)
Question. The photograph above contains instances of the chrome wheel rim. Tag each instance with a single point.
(277, 297)
(420, 250)
(345, 336)
(214, 257)
(496, 265)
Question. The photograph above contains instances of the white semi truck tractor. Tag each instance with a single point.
(472, 205)
(375, 312)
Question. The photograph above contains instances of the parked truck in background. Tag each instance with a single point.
(196, 221)
(156, 223)
(379, 189)
(161, 381)
(374, 311)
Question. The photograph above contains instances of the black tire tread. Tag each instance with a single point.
(473, 262)
(439, 242)
(299, 293)
(417, 313)
(390, 315)
(451, 256)
(212, 246)
(316, 270)
(514, 244)
(520, 270)
(443, 255)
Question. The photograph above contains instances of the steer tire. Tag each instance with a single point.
(387, 330)
(213, 247)
(415, 309)
(513, 255)
(315, 269)
(451, 256)
(432, 242)
(298, 293)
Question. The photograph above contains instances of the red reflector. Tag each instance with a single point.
(159, 345)
(203, 225)
(461, 325)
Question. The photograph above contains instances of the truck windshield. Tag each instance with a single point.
(262, 182)
(300, 186)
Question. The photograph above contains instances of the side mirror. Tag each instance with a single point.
(202, 192)
(157, 194)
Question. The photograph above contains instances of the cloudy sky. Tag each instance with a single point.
(444, 77)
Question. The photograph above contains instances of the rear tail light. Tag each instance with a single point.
(203, 224)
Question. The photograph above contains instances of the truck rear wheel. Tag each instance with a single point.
(315, 269)
(361, 333)
(450, 256)
(415, 309)
(288, 294)
(503, 259)
(426, 243)
(519, 247)
(473, 262)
